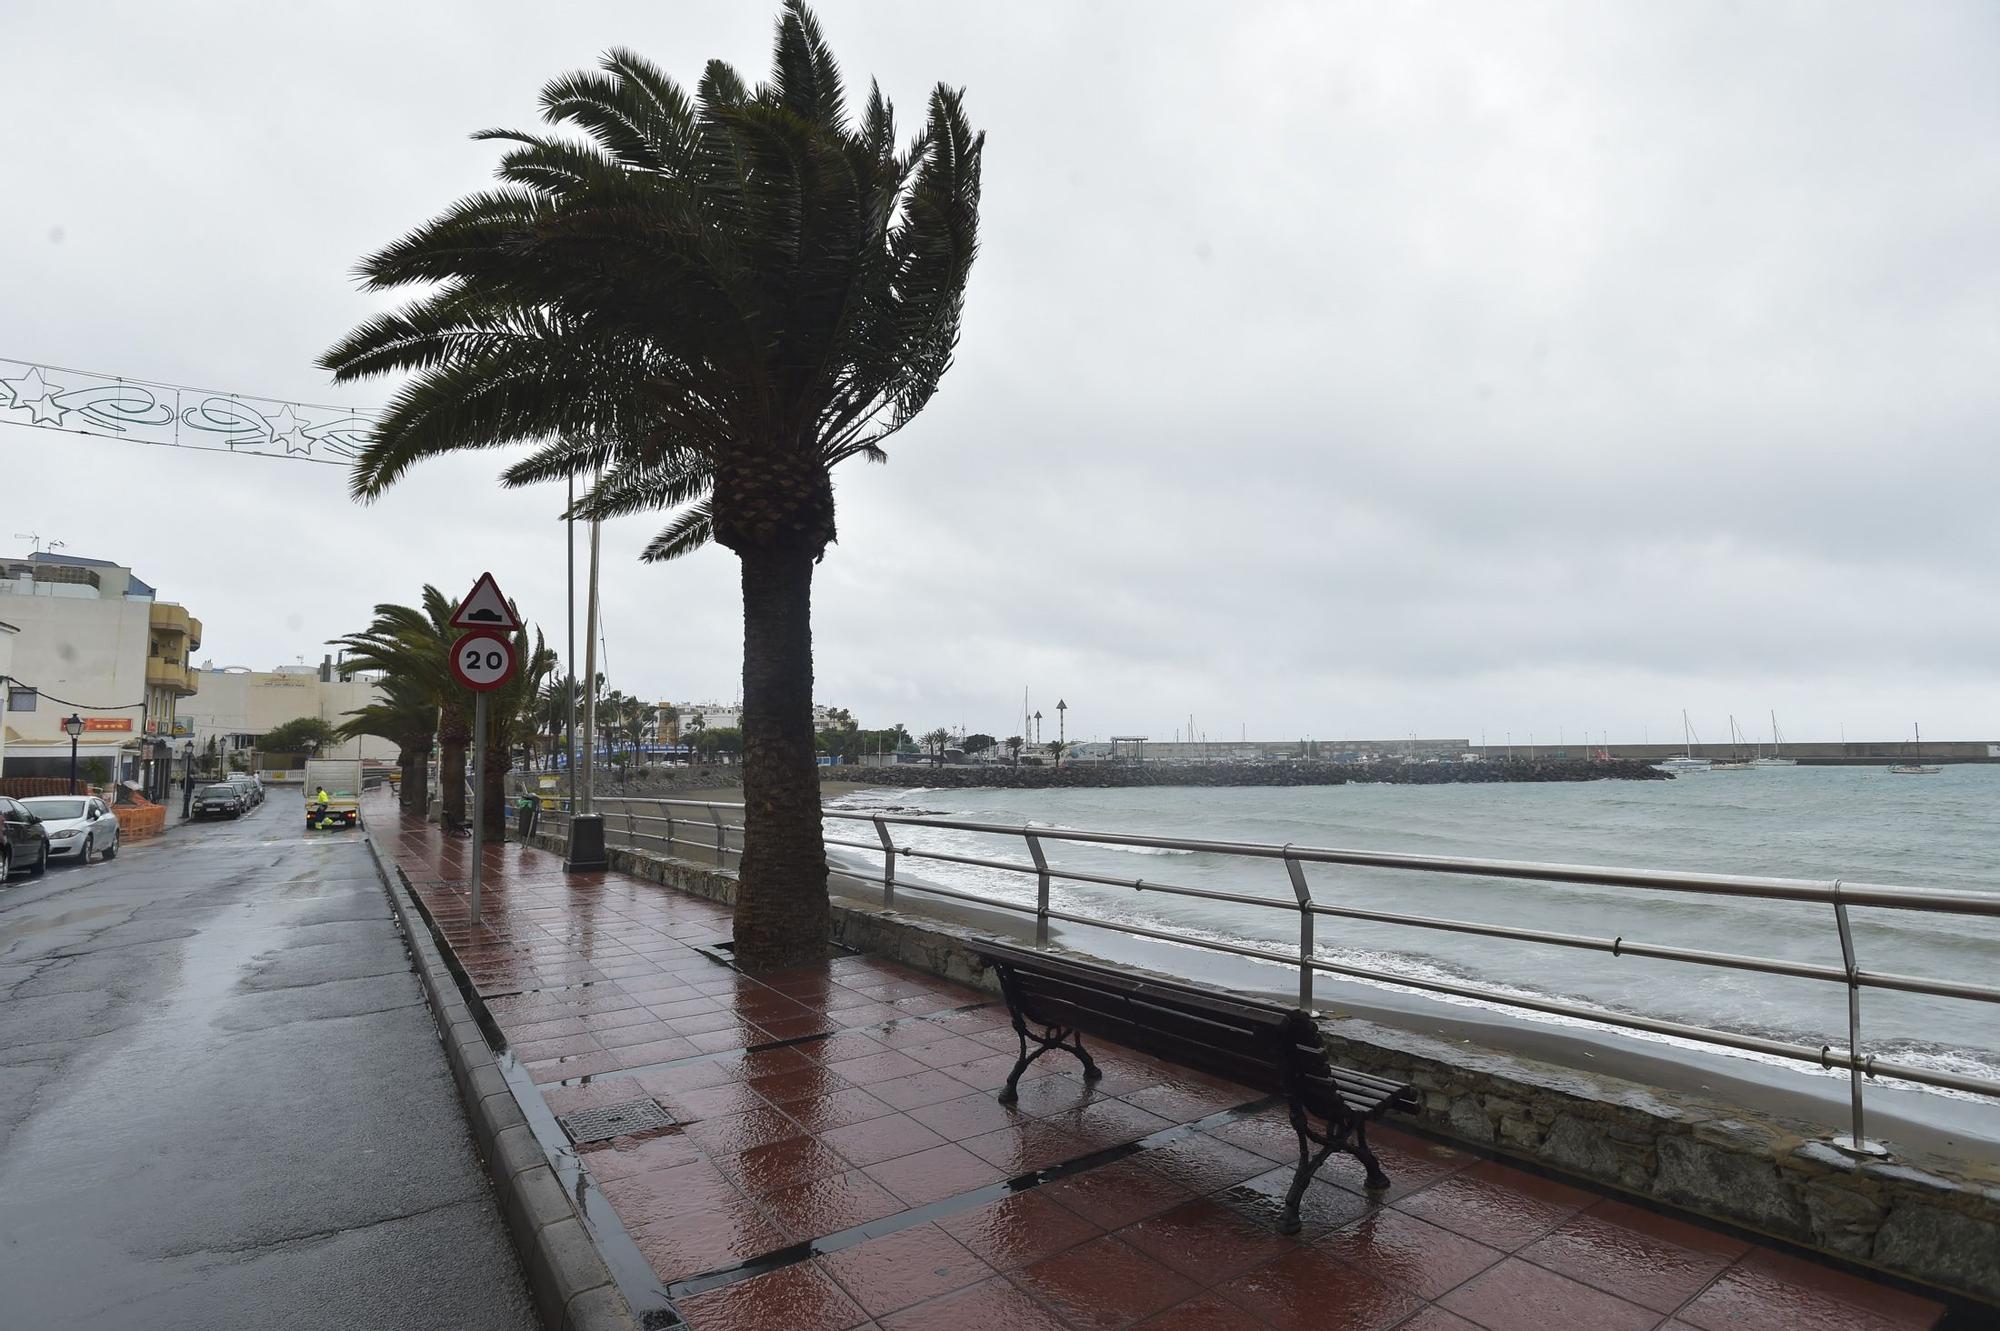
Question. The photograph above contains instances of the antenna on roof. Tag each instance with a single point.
(36, 538)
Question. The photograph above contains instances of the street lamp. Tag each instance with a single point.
(73, 727)
(1062, 709)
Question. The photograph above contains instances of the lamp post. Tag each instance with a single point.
(73, 727)
(1062, 710)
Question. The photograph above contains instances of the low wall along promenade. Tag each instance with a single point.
(1930, 1219)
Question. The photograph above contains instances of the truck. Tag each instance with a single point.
(340, 778)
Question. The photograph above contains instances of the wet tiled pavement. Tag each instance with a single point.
(839, 1123)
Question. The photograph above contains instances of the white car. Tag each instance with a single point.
(80, 827)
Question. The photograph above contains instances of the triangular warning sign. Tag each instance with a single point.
(485, 608)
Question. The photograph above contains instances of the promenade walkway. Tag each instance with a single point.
(837, 1158)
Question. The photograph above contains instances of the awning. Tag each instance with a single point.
(84, 749)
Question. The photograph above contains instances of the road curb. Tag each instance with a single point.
(572, 1287)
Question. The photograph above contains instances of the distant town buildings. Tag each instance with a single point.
(718, 716)
(235, 705)
(94, 640)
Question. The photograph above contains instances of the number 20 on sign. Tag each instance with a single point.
(482, 661)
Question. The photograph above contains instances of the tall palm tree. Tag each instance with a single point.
(716, 300)
(406, 716)
(506, 708)
(414, 643)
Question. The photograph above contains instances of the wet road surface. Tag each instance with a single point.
(223, 1103)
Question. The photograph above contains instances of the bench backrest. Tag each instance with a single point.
(1260, 1045)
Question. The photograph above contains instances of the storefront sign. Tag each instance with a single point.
(107, 723)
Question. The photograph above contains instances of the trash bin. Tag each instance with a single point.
(527, 809)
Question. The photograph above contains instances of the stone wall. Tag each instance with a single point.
(1935, 1221)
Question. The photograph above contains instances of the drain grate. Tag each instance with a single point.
(608, 1121)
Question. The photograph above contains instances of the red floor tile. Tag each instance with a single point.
(830, 1203)
(838, 1109)
(641, 1199)
(871, 1068)
(653, 1051)
(1118, 1194)
(740, 1132)
(797, 1298)
(690, 1242)
(732, 1097)
(897, 1270)
(1018, 1230)
(1308, 1290)
(782, 1164)
(1497, 1205)
(1410, 1253)
(1520, 1296)
(1322, 1207)
(1021, 1148)
(927, 1087)
(991, 1305)
(1103, 1284)
(1772, 1289)
(626, 1156)
(1208, 1312)
(1206, 1242)
(968, 1116)
(1203, 1164)
(1636, 1254)
(781, 1088)
(1109, 1123)
(930, 1176)
(1435, 1318)
(883, 1138)
(642, 1031)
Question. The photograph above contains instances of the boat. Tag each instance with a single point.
(1776, 757)
(1735, 762)
(1918, 768)
(1685, 762)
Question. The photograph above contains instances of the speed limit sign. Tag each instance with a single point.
(482, 661)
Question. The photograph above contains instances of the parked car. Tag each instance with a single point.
(252, 788)
(24, 842)
(218, 801)
(79, 826)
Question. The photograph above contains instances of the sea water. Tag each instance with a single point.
(1852, 823)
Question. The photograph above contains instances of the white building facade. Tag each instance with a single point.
(94, 641)
(236, 705)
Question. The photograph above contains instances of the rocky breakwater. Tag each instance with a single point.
(958, 776)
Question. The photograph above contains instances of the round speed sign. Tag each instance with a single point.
(482, 661)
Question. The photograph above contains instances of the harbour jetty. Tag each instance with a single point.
(1104, 775)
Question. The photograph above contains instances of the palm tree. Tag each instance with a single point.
(1014, 749)
(937, 740)
(511, 714)
(716, 300)
(414, 644)
(406, 716)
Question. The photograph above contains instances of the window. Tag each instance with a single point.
(21, 700)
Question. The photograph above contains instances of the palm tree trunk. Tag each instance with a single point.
(781, 903)
(416, 783)
(454, 738)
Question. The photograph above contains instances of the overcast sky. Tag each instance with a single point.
(1328, 369)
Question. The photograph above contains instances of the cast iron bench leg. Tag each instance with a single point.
(1056, 1037)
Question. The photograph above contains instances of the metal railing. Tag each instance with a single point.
(663, 822)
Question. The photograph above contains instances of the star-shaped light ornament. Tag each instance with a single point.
(287, 429)
(37, 396)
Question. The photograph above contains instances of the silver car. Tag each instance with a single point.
(80, 827)
(252, 788)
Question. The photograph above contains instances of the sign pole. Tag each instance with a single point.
(478, 798)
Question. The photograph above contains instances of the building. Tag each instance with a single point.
(8, 632)
(95, 641)
(236, 705)
(719, 716)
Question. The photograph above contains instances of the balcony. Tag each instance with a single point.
(166, 618)
(194, 638)
(164, 674)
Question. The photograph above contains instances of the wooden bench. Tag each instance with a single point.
(1265, 1046)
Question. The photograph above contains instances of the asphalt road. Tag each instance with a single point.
(222, 1101)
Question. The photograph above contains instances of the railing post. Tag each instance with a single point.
(631, 828)
(721, 838)
(888, 862)
(668, 810)
(1304, 894)
(1041, 888)
(1858, 1143)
